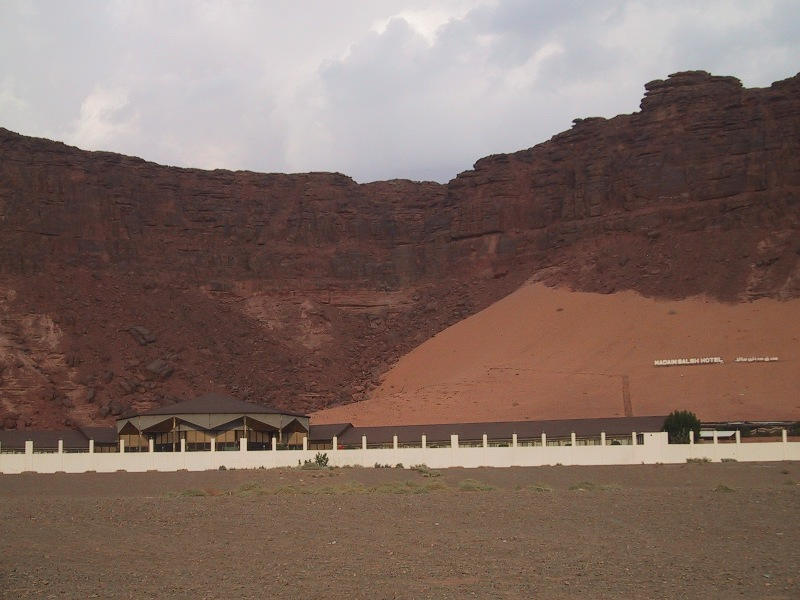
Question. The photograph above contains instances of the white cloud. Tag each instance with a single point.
(104, 118)
(387, 88)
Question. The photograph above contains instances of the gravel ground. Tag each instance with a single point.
(663, 531)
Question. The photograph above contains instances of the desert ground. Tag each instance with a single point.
(657, 531)
(552, 353)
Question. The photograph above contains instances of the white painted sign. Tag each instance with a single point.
(673, 362)
(749, 359)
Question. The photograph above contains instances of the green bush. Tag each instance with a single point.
(678, 425)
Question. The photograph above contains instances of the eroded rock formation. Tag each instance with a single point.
(125, 283)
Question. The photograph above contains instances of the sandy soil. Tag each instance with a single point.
(670, 531)
(545, 353)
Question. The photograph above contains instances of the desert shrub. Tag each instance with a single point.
(583, 486)
(473, 485)
(728, 460)
(678, 424)
(399, 466)
(321, 459)
(425, 471)
(723, 488)
(698, 461)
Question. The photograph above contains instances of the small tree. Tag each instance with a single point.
(678, 425)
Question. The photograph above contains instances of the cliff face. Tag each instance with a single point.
(124, 283)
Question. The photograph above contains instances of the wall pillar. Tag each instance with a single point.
(633, 438)
(602, 438)
(305, 443)
(424, 441)
(151, 445)
(714, 437)
(572, 440)
(213, 442)
(242, 444)
(122, 446)
(91, 446)
(363, 442)
(738, 437)
(183, 445)
(394, 442)
(61, 446)
(29, 447)
(454, 441)
(485, 441)
(335, 444)
(691, 437)
(513, 440)
(274, 444)
(784, 436)
(544, 439)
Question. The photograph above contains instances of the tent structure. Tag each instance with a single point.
(216, 418)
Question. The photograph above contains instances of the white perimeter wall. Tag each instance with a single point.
(654, 450)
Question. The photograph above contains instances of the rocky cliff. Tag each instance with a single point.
(126, 284)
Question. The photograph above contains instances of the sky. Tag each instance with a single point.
(375, 89)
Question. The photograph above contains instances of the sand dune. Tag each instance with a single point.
(544, 353)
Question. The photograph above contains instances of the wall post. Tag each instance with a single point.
(394, 442)
(485, 441)
(274, 444)
(633, 438)
(544, 439)
(363, 442)
(61, 446)
(183, 445)
(151, 445)
(424, 441)
(738, 437)
(572, 441)
(784, 436)
(242, 444)
(454, 440)
(213, 441)
(602, 438)
(714, 437)
(335, 443)
(122, 446)
(305, 443)
(513, 440)
(691, 437)
(29, 447)
(91, 446)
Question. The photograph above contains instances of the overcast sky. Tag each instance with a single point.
(374, 89)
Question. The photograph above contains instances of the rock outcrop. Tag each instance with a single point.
(300, 290)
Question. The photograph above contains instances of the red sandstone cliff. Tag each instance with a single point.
(126, 283)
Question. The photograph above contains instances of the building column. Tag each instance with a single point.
(424, 441)
(602, 438)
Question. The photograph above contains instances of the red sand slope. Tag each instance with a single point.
(544, 353)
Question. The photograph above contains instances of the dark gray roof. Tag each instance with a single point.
(320, 433)
(73, 438)
(502, 430)
(214, 403)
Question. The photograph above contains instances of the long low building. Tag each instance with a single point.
(102, 439)
(617, 430)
